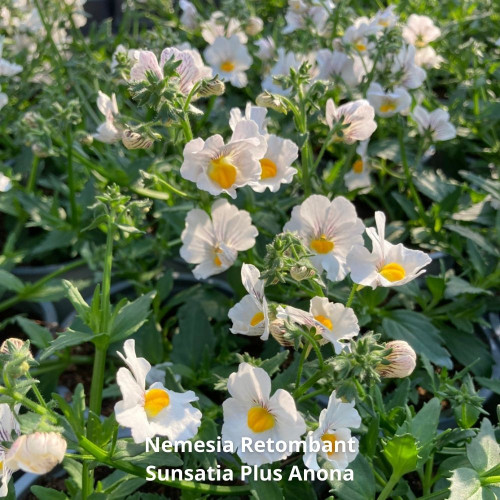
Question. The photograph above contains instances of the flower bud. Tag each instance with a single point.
(16, 344)
(299, 273)
(402, 360)
(211, 87)
(133, 140)
(278, 331)
(254, 26)
(272, 101)
(37, 453)
(16, 356)
(87, 140)
(39, 151)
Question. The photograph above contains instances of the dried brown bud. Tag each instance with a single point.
(402, 360)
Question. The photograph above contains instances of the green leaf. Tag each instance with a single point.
(264, 490)
(38, 335)
(10, 282)
(402, 453)
(75, 297)
(465, 485)
(47, 493)
(273, 364)
(195, 339)
(457, 286)
(131, 317)
(69, 338)
(420, 333)
(483, 451)
(489, 383)
(474, 236)
(363, 485)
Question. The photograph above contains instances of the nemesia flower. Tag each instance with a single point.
(420, 31)
(357, 119)
(388, 103)
(154, 411)
(213, 243)
(189, 16)
(428, 58)
(329, 229)
(334, 63)
(3, 99)
(402, 360)
(437, 122)
(387, 264)
(385, 18)
(411, 75)
(250, 316)
(255, 113)
(222, 168)
(190, 70)
(107, 132)
(37, 453)
(335, 423)
(253, 413)
(9, 69)
(8, 426)
(359, 174)
(299, 13)
(286, 61)
(267, 48)
(5, 183)
(336, 322)
(357, 35)
(229, 58)
(220, 26)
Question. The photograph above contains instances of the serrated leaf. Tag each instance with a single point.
(69, 338)
(465, 485)
(402, 453)
(483, 451)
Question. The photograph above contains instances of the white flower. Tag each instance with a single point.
(222, 168)
(412, 76)
(420, 31)
(336, 322)
(334, 63)
(229, 58)
(437, 122)
(334, 426)
(9, 69)
(357, 119)
(3, 99)
(189, 16)
(254, 26)
(8, 426)
(385, 18)
(219, 26)
(155, 411)
(276, 164)
(190, 70)
(388, 103)
(329, 229)
(267, 48)
(299, 13)
(5, 183)
(157, 373)
(359, 175)
(286, 61)
(428, 58)
(387, 264)
(37, 453)
(213, 243)
(250, 316)
(255, 113)
(107, 132)
(251, 412)
(357, 35)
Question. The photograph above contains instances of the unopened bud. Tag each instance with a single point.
(254, 26)
(133, 140)
(15, 345)
(272, 101)
(16, 356)
(299, 273)
(402, 360)
(87, 140)
(39, 151)
(211, 87)
(278, 331)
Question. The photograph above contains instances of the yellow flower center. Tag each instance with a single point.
(358, 166)
(324, 321)
(393, 272)
(227, 66)
(419, 42)
(1, 467)
(387, 107)
(259, 419)
(222, 172)
(155, 401)
(269, 168)
(383, 23)
(331, 438)
(257, 318)
(360, 46)
(322, 245)
(217, 260)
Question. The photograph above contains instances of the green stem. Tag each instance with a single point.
(41, 410)
(106, 278)
(393, 480)
(202, 488)
(85, 480)
(30, 187)
(490, 480)
(71, 180)
(437, 495)
(303, 356)
(427, 482)
(303, 388)
(351, 295)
